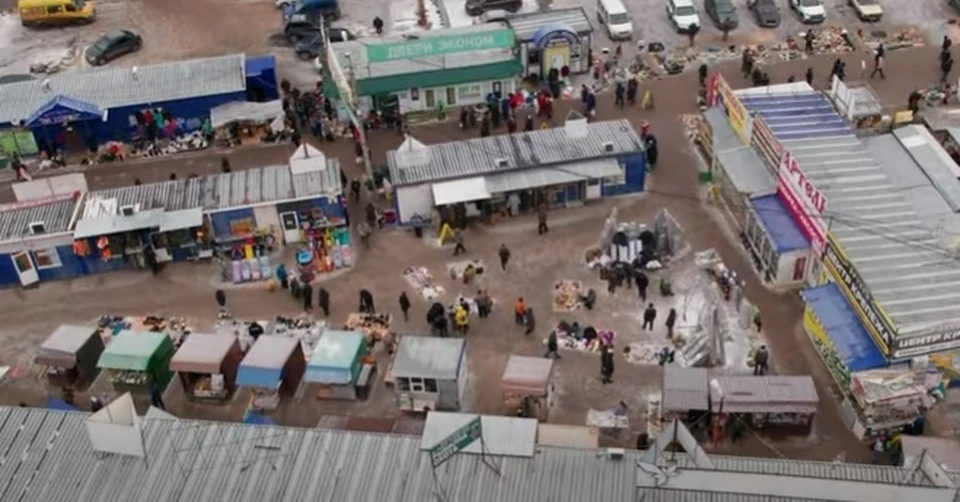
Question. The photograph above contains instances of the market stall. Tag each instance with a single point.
(527, 388)
(135, 361)
(375, 327)
(70, 355)
(430, 373)
(272, 369)
(207, 365)
(246, 122)
(340, 367)
(887, 400)
(685, 393)
(766, 401)
(175, 327)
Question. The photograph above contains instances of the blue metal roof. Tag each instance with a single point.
(785, 233)
(801, 115)
(63, 109)
(850, 339)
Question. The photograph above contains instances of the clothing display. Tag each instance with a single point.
(423, 281)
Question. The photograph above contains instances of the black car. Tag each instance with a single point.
(765, 12)
(295, 31)
(477, 7)
(309, 48)
(113, 45)
(722, 12)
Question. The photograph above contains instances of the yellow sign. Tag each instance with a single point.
(736, 112)
(814, 327)
(445, 232)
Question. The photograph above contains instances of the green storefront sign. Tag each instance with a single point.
(442, 44)
(456, 441)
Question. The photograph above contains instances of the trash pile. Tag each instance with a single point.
(55, 61)
(903, 37)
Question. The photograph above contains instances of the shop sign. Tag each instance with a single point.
(557, 35)
(853, 287)
(427, 46)
(929, 344)
(806, 204)
(766, 143)
(456, 442)
(736, 113)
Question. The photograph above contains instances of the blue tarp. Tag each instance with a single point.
(255, 66)
(253, 418)
(774, 216)
(55, 403)
(850, 339)
(257, 377)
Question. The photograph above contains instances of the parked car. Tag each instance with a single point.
(867, 10)
(615, 16)
(113, 45)
(765, 12)
(309, 48)
(477, 7)
(683, 14)
(722, 12)
(295, 31)
(955, 4)
(810, 11)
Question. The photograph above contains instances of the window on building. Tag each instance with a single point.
(403, 384)
(470, 92)
(429, 98)
(620, 179)
(575, 52)
(533, 57)
(451, 96)
(430, 384)
(54, 9)
(416, 384)
(414, 94)
(798, 267)
(47, 258)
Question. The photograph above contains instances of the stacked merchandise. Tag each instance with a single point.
(888, 398)
(375, 327)
(566, 296)
(125, 378)
(330, 248)
(423, 281)
(209, 386)
(175, 327)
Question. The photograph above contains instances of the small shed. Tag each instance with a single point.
(138, 360)
(273, 368)
(71, 354)
(430, 373)
(207, 365)
(337, 364)
(786, 401)
(684, 390)
(526, 386)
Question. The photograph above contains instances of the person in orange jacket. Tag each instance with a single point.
(519, 311)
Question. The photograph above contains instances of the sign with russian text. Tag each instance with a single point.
(806, 204)
(425, 46)
(456, 442)
(766, 143)
(853, 287)
(736, 113)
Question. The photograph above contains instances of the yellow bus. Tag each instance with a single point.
(54, 12)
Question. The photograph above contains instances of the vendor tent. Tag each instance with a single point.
(73, 347)
(527, 375)
(245, 111)
(272, 359)
(140, 351)
(204, 353)
(336, 358)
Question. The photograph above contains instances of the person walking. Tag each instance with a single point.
(702, 72)
(878, 66)
(519, 311)
(877, 451)
(649, 315)
(761, 361)
(945, 68)
(484, 304)
(606, 364)
(746, 63)
(504, 254)
(405, 306)
(224, 165)
(620, 93)
(221, 298)
(156, 396)
(366, 302)
(531, 322)
(671, 321)
(632, 87)
(95, 404)
(642, 283)
(552, 346)
(378, 25)
(542, 220)
(809, 76)
(458, 239)
(528, 123)
(947, 43)
(323, 301)
(462, 318)
(307, 293)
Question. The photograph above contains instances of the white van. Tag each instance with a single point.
(613, 15)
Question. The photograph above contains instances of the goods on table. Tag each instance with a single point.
(888, 397)
(129, 378)
(306, 330)
(569, 341)
(423, 281)
(643, 353)
(607, 419)
(209, 386)
(566, 296)
(467, 271)
(375, 327)
(175, 327)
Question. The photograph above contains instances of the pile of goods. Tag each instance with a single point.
(642, 353)
(466, 271)
(566, 296)
(586, 339)
(903, 37)
(129, 378)
(889, 398)
(375, 327)
(209, 386)
(423, 281)
(175, 327)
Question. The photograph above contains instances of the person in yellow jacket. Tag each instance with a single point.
(462, 319)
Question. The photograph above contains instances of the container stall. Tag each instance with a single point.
(685, 393)
(272, 369)
(430, 373)
(527, 387)
(339, 365)
(135, 361)
(207, 365)
(70, 355)
(769, 401)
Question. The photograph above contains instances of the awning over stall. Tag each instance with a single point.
(527, 375)
(64, 110)
(784, 232)
(132, 350)
(850, 339)
(685, 389)
(61, 348)
(463, 190)
(263, 365)
(182, 219)
(335, 357)
(547, 176)
(245, 111)
(765, 394)
(116, 224)
(203, 353)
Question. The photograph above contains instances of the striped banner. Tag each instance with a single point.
(765, 143)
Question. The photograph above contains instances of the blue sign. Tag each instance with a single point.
(551, 33)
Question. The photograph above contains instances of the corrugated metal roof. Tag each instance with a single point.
(850, 339)
(15, 223)
(226, 190)
(747, 172)
(509, 152)
(46, 456)
(684, 388)
(894, 252)
(508, 436)
(933, 160)
(525, 25)
(116, 87)
(744, 393)
(427, 356)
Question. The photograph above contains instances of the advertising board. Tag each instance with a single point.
(806, 204)
(736, 113)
